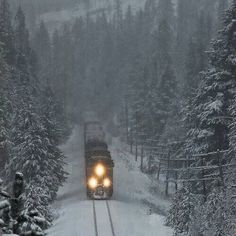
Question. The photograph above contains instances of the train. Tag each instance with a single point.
(98, 162)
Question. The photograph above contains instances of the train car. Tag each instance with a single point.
(98, 163)
(93, 131)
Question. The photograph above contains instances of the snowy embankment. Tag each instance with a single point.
(130, 217)
(133, 185)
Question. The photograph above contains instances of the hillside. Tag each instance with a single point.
(56, 17)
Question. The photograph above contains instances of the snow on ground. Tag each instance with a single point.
(131, 220)
(134, 185)
(130, 217)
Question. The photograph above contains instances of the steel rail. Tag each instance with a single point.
(110, 218)
(95, 219)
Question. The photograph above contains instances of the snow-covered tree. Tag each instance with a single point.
(180, 216)
(221, 8)
(210, 108)
(42, 46)
(210, 118)
(5, 111)
(6, 32)
(219, 214)
(33, 129)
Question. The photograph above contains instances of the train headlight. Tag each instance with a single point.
(100, 170)
(107, 182)
(92, 182)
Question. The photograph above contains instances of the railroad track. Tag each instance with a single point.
(95, 219)
(100, 214)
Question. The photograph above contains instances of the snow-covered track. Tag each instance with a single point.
(103, 223)
(95, 219)
(110, 218)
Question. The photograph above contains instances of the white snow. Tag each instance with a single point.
(132, 185)
(129, 215)
(103, 222)
(10, 235)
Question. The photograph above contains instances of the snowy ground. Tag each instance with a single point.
(129, 215)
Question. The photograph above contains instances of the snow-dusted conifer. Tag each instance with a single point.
(211, 113)
(42, 46)
(5, 111)
(35, 150)
(55, 132)
(180, 213)
(6, 32)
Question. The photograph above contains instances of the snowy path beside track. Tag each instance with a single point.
(129, 216)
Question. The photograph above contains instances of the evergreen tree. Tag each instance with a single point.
(165, 99)
(21, 44)
(34, 130)
(191, 78)
(140, 104)
(42, 46)
(215, 93)
(183, 28)
(219, 213)
(181, 211)
(6, 32)
(211, 111)
(165, 10)
(163, 79)
(5, 111)
(222, 7)
(56, 64)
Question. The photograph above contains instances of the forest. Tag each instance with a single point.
(163, 76)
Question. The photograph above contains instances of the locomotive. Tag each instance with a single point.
(98, 162)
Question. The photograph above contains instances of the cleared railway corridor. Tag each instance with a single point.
(122, 216)
(103, 223)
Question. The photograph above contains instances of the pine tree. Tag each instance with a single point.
(42, 46)
(165, 99)
(141, 118)
(222, 7)
(21, 43)
(210, 116)
(5, 111)
(219, 213)
(163, 78)
(191, 77)
(215, 94)
(31, 154)
(6, 32)
(183, 28)
(118, 14)
(34, 132)
(165, 10)
(181, 211)
(55, 127)
(56, 63)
